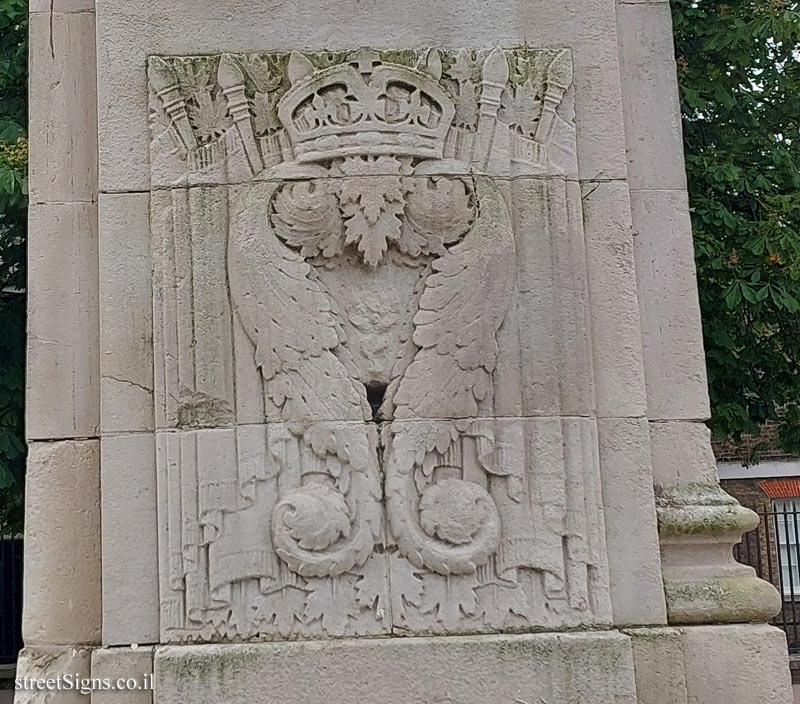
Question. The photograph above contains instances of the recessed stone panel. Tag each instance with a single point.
(373, 375)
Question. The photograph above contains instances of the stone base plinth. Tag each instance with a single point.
(734, 664)
(591, 668)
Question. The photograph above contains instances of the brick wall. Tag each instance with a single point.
(752, 448)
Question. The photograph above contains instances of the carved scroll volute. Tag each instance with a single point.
(559, 78)
(165, 83)
(231, 80)
(493, 81)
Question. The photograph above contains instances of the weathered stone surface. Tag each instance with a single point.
(129, 33)
(698, 522)
(63, 328)
(62, 544)
(130, 544)
(63, 108)
(369, 282)
(556, 368)
(393, 380)
(115, 664)
(69, 667)
(126, 314)
(61, 6)
(744, 664)
(637, 594)
(591, 668)
(616, 331)
(658, 665)
(672, 334)
(413, 580)
(681, 453)
(650, 97)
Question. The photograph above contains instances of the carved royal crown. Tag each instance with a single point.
(366, 107)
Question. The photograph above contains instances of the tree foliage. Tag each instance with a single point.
(13, 202)
(739, 73)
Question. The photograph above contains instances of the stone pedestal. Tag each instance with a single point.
(378, 357)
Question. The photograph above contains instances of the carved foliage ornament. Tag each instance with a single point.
(374, 161)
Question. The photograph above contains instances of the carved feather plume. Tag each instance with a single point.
(288, 317)
(461, 309)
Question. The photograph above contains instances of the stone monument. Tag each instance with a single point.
(365, 362)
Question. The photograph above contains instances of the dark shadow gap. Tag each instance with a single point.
(375, 395)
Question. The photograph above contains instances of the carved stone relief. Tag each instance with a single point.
(347, 250)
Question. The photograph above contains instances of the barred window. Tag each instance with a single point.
(787, 530)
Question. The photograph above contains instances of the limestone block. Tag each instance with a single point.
(556, 367)
(130, 543)
(194, 370)
(592, 668)
(658, 665)
(234, 496)
(61, 6)
(63, 107)
(129, 33)
(126, 314)
(615, 324)
(550, 536)
(682, 453)
(62, 544)
(650, 96)
(746, 664)
(115, 664)
(63, 674)
(633, 552)
(62, 363)
(672, 333)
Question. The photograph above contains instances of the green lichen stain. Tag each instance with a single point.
(701, 509)
(199, 410)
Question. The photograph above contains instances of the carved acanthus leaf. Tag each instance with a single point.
(318, 516)
(438, 212)
(372, 209)
(282, 608)
(407, 585)
(371, 588)
(454, 510)
(306, 216)
(333, 602)
(450, 598)
(464, 72)
(520, 108)
(498, 603)
(205, 104)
